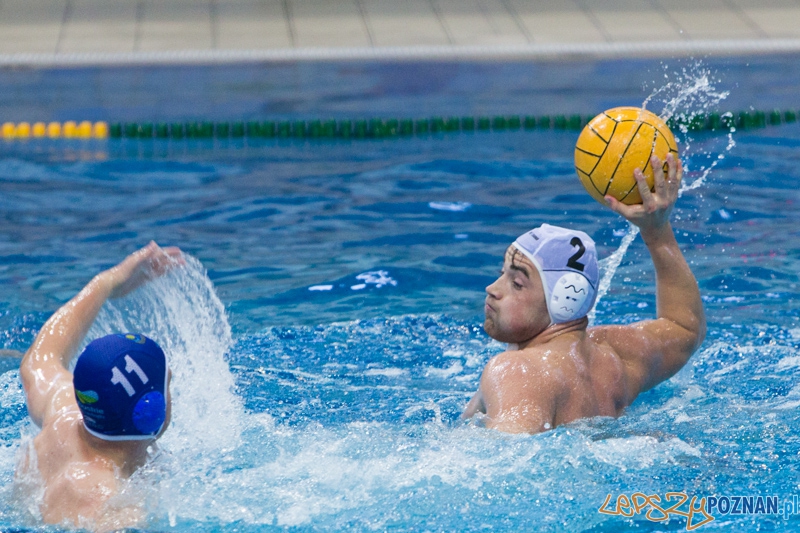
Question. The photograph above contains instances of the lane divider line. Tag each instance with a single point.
(365, 129)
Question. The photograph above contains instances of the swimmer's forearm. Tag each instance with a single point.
(677, 294)
(65, 330)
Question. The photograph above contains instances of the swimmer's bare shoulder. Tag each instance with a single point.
(650, 351)
(522, 389)
(574, 376)
(617, 365)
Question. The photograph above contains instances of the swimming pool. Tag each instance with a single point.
(318, 383)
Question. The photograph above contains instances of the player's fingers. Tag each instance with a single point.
(175, 254)
(674, 176)
(678, 169)
(658, 175)
(644, 188)
(163, 259)
(136, 259)
(172, 251)
(618, 207)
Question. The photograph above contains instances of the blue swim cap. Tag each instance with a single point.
(120, 385)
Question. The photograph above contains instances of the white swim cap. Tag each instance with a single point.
(567, 263)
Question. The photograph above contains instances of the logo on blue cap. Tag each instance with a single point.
(86, 397)
(135, 337)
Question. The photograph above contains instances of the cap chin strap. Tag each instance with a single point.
(116, 438)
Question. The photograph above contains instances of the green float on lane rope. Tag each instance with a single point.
(390, 128)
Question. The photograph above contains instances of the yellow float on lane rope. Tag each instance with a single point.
(54, 130)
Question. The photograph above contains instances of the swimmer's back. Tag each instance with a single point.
(596, 383)
(576, 375)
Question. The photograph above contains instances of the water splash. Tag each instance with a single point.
(688, 92)
(183, 314)
(375, 472)
(609, 266)
(706, 170)
(368, 473)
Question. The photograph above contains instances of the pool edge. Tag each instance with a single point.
(402, 53)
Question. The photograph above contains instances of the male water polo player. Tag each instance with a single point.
(555, 369)
(98, 422)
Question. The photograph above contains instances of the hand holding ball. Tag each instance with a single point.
(615, 143)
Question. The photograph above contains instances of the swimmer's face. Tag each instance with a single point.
(515, 305)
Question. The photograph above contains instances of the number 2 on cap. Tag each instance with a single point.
(117, 378)
(572, 262)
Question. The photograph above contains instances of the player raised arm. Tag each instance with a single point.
(654, 350)
(44, 367)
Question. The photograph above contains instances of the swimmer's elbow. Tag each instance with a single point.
(695, 334)
(689, 334)
(675, 356)
(27, 372)
(31, 373)
(700, 336)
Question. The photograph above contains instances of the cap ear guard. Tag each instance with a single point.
(568, 297)
(149, 413)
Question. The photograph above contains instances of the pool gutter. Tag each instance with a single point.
(410, 53)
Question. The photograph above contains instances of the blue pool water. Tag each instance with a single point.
(327, 334)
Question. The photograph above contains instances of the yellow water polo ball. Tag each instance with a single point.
(616, 142)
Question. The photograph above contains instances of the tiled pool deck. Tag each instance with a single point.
(64, 31)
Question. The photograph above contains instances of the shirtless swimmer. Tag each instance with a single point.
(96, 424)
(555, 369)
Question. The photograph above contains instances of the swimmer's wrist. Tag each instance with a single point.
(657, 235)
